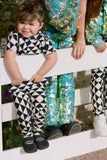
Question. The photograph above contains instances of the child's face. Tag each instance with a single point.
(29, 28)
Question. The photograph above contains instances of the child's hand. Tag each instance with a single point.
(18, 81)
(78, 49)
(36, 78)
(102, 48)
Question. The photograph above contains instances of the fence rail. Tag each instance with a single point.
(65, 147)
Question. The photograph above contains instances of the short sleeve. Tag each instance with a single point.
(47, 47)
(12, 42)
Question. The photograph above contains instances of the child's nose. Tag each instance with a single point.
(26, 26)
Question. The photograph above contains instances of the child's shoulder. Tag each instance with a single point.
(41, 33)
(41, 36)
(13, 33)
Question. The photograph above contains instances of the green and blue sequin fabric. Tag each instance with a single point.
(66, 89)
(61, 30)
(63, 15)
(97, 28)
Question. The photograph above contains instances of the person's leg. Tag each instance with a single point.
(105, 94)
(97, 93)
(97, 87)
(66, 90)
(51, 129)
(51, 89)
(22, 104)
(38, 99)
(66, 98)
(51, 100)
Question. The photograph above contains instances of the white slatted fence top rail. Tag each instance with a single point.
(65, 147)
(65, 64)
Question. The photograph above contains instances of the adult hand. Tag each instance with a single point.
(78, 49)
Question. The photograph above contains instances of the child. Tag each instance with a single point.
(96, 30)
(61, 29)
(29, 95)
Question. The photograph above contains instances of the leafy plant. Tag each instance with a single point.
(7, 17)
(12, 136)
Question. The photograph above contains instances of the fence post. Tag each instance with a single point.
(0, 112)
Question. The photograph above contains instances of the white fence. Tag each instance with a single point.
(65, 147)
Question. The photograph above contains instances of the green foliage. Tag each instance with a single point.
(7, 17)
(4, 100)
(12, 136)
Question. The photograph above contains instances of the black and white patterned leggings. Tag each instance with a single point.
(30, 100)
(99, 90)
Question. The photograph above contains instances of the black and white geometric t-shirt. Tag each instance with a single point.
(36, 44)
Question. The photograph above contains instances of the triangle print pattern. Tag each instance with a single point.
(33, 45)
(99, 90)
(30, 99)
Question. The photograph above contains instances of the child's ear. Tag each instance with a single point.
(41, 25)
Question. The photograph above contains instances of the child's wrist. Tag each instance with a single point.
(18, 78)
(40, 74)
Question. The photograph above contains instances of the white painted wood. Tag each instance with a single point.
(65, 147)
(0, 115)
(8, 112)
(61, 148)
(66, 63)
(0, 123)
(82, 96)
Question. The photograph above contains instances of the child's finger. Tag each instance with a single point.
(31, 79)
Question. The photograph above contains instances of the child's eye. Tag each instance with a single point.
(32, 24)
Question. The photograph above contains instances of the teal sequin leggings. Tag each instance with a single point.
(64, 84)
(60, 111)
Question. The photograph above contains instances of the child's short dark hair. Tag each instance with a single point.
(29, 10)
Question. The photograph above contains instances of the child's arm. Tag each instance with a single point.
(79, 46)
(49, 63)
(13, 68)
